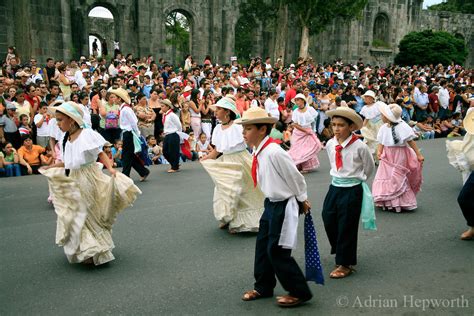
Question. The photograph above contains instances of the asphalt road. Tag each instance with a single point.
(171, 259)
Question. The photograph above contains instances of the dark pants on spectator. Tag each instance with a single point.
(171, 150)
(13, 170)
(24, 170)
(271, 259)
(341, 212)
(14, 139)
(129, 159)
(466, 200)
(420, 114)
(443, 113)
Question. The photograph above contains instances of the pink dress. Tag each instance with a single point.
(399, 175)
(305, 146)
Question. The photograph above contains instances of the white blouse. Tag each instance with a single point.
(371, 112)
(404, 132)
(83, 150)
(304, 119)
(230, 140)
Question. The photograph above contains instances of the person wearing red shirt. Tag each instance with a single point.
(433, 106)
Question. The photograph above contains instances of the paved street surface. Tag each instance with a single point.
(171, 259)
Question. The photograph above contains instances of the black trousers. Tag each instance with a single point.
(271, 259)
(341, 213)
(466, 200)
(171, 150)
(129, 159)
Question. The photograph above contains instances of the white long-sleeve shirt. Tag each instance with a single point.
(271, 106)
(443, 97)
(128, 120)
(357, 161)
(277, 175)
(172, 124)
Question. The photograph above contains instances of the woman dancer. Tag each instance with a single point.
(237, 204)
(398, 178)
(86, 200)
(305, 145)
(372, 121)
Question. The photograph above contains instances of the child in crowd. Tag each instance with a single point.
(117, 152)
(47, 158)
(349, 196)
(25, 128)
(202, 146)
(455, 132)
(186, 117)
(107, 149)
(327, 133)
(398, 178)
(424, 129)
(154, 151)
(10, 161)
(41, 121)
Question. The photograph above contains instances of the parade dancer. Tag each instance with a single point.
(399, 176)
(171, 128)
(86, 200)
(305, 145)
(284, 187)
(349, 196)
(237, 204)
(372, 121)
(465, 161)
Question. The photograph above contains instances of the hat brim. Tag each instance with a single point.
(215, 106)
(77, 119)
(124, 96)
(468, 122)
(261, 120)
(387, 115)
(354, 117)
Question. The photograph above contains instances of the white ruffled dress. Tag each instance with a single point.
(371, 130)
(236, 201)
(87, 201)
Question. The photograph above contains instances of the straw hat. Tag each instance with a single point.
(226, 103)
(299, 96)
(348, 113)
(107, 144)
(393, 112)
(71, 109)
(370, 93)
(468, 121)
(122, 94)
(167, 103)
(187, 88)
(256, 116)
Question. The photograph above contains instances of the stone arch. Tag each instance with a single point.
(460, 36)
(381, 30)
(247, 41)
(190, 16)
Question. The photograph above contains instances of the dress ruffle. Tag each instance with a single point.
(236, 202)
(228, 140)
(83, 150)
(304, 149)
(87, 204)
(370, 132)
(461, 154)
(398, 179)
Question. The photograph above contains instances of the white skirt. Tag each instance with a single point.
(236, 201)
(87, 203)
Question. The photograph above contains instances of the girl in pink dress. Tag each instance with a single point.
(399, 175)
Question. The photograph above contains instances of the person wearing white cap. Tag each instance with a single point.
(372, 120)
(399, 176)
(237, 204)
(466, 154)
(305, 145)
(86, 200)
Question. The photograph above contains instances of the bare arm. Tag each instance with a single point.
(212, 155)
(379, 150)
(107, 163)
(413, 145)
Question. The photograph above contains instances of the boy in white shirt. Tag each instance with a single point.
(41, 121)
(348, 196)
(283, 186)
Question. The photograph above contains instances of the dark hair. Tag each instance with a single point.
(268, 126)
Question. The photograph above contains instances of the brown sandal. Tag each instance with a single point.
(251, 296)
(341, 272)
(289, 301)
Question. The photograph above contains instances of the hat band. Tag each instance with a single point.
(389, 114)
(72, 110)
(228, 104)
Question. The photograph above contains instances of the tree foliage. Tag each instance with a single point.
(177, 29)
(461, 6)
(428, 47)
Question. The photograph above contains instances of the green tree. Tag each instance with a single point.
(428, 47)
(314, 15)
(177, 29)
(462, 6)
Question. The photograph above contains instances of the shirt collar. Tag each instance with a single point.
(344, 143)
(259, 148)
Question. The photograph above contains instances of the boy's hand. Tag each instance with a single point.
(306, 207)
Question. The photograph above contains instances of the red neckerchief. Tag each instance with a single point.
(339, 149)
(255, 161)
(164, 117)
